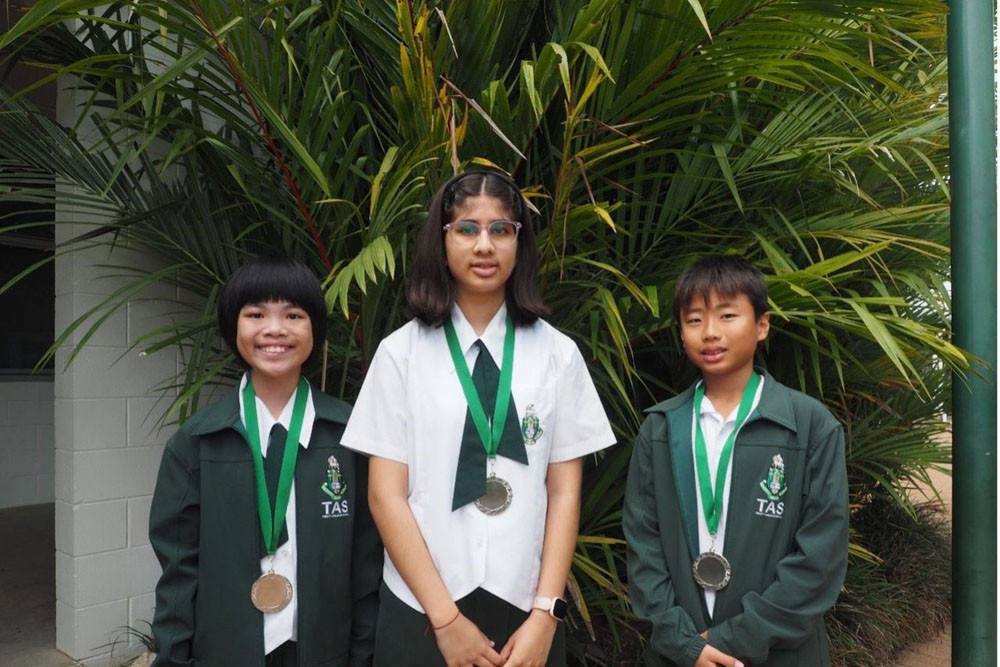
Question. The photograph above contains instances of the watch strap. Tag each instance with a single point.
(543, 603)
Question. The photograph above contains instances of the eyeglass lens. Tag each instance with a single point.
(500, 231)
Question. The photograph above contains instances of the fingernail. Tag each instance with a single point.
(739, 664)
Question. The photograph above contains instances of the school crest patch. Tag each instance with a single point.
(531, 427)
(774, 484)
(771, 505)
(335, 487)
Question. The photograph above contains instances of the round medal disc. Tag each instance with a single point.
(497, 497)
(271, 592)
(711, 571)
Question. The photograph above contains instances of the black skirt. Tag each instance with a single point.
(403, 637)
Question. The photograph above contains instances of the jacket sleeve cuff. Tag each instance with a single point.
(750, 646)
(692, 650)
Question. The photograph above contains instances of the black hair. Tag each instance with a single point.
(726, 275)
(267, 279)
(432, 288)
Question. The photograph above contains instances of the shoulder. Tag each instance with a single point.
(186, 442)
(402, 342)
(217, 415)
(329, 407)
(561, 350)
(671, 404)
(810, 413)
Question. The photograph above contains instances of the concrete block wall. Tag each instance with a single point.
(27, 463)
(107, 452)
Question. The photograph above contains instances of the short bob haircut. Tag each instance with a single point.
(268, 279)
(432, 287)
(727, 276)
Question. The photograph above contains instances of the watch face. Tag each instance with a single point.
(559, 609)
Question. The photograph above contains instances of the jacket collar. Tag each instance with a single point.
(775, 403)
(225, 413)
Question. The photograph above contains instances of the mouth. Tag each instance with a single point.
(713, 354)
(273, 350)
(485, 269)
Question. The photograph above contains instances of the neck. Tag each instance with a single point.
(479, 308)
(274, 391)
(726, 391)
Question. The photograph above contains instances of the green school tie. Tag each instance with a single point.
(470, 477)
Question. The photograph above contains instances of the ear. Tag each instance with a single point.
(763, 326)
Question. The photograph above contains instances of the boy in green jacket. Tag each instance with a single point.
(260, 518)
(736, 511)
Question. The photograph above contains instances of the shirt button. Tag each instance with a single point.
(284, 552)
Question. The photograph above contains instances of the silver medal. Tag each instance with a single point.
(497, 497)
(711, 571)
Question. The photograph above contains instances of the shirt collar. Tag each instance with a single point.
(492, 337)
(225, 413)
(285, 417)
(708, 409)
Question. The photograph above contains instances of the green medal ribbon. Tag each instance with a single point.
(271, 525)
(489, 437)
(711, 504)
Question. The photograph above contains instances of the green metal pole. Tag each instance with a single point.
(974, 302)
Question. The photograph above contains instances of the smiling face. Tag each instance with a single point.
(274, 338)
(482, 268)
(720, 337)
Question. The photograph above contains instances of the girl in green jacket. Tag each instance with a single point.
(259, 518)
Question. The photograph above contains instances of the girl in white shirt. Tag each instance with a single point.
(476, 414)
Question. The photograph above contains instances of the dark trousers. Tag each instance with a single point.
(403, 637)
(283, 656)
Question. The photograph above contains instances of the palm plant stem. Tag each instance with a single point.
(262, 124)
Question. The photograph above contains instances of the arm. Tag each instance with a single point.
(651, 589)
(459, 639)
(366, 574)
(531, 643)
(174, 519)
(808, 579)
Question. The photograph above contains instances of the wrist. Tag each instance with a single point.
(543, 617)
(440, 618)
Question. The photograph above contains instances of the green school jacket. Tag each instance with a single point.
(788, 555)
(204, 528)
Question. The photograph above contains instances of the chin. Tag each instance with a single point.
(277, 371)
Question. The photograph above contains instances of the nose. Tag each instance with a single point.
(484, 244)
(274, 325)
(711, 329)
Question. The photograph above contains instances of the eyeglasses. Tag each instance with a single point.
(467, 232)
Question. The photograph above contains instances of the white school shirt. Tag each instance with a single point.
(716, 430)
(281, 626)
(411, 409)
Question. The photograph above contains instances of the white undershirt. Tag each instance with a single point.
(280, 626)
(716, 430)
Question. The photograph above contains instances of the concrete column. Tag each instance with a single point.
(107, 450)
